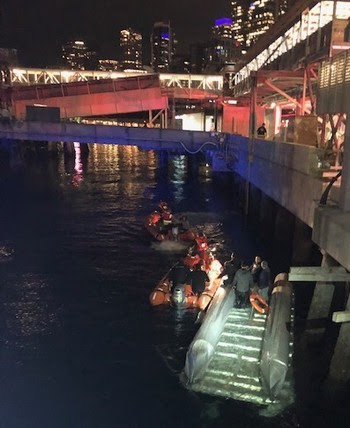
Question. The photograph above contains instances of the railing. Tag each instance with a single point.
(334, 85)
(85, 88)
(35, 76)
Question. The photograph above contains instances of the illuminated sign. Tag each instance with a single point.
(223, 21)
(165, 36)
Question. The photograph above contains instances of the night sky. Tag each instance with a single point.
(37, 28)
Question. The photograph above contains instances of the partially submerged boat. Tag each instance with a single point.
(245, 354)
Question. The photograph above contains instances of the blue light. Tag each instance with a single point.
(223, 21)
(165, 36)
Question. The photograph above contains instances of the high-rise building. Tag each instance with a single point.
(131, 49)
(77, 56)
(253, 18)
(222, 47)
(261, 16)
(198, 57)
(239, 18)
(108, 65)
(162, 46)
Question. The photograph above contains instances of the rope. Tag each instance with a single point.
(324, 197)
(197, 151)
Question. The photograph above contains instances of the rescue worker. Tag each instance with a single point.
(167, 218)
(198, 279)
(264, 281)
(185, 225)
(163, 206)
(178, 275)
(243, 281)
(202, 242)
(191, 258)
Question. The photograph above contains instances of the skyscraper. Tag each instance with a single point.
(162, 46)
(131, 49)
(222, 48)
(253, 18)
(239, 17)
(77, 56)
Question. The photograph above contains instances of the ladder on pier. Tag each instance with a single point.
(234, 370)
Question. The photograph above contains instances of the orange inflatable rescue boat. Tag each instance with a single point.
(160, 224)
(182, 296)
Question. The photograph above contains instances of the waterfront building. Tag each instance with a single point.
(163, 45)
(131, 49)
(77, 56)
(108, 65)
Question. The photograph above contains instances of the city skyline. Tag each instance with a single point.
(38, 32)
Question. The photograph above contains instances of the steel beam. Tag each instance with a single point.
(341, 316)
(315, 274)
(285, 95)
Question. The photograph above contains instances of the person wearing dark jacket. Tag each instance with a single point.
(264, 280)
(242, 282)
(179, 274)
(198, 279)
(230, 268)
(256, 269)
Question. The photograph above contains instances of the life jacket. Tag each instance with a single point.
(191, 261)
(167, 217)
(154, 218)
(202, 243)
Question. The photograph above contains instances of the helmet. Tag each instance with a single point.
(167, 215)
(163, 206)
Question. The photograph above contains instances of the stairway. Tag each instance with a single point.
(234, 370)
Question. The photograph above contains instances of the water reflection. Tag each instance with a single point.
(178, 175)
(32, 311)
(78, 176)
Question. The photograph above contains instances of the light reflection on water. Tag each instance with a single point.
(83, 347)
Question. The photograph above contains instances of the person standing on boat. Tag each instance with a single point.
(215, 268)
(198, 279)
(243, 282)
(256, 269)
(264, 281)
(231, 266)
(178, 275)
(185, 225)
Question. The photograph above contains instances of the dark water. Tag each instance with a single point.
(80, 344)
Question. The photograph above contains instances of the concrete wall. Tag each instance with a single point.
(285, 172)
(236, 119)
(146, 138)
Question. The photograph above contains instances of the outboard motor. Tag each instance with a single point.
(178, 298)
